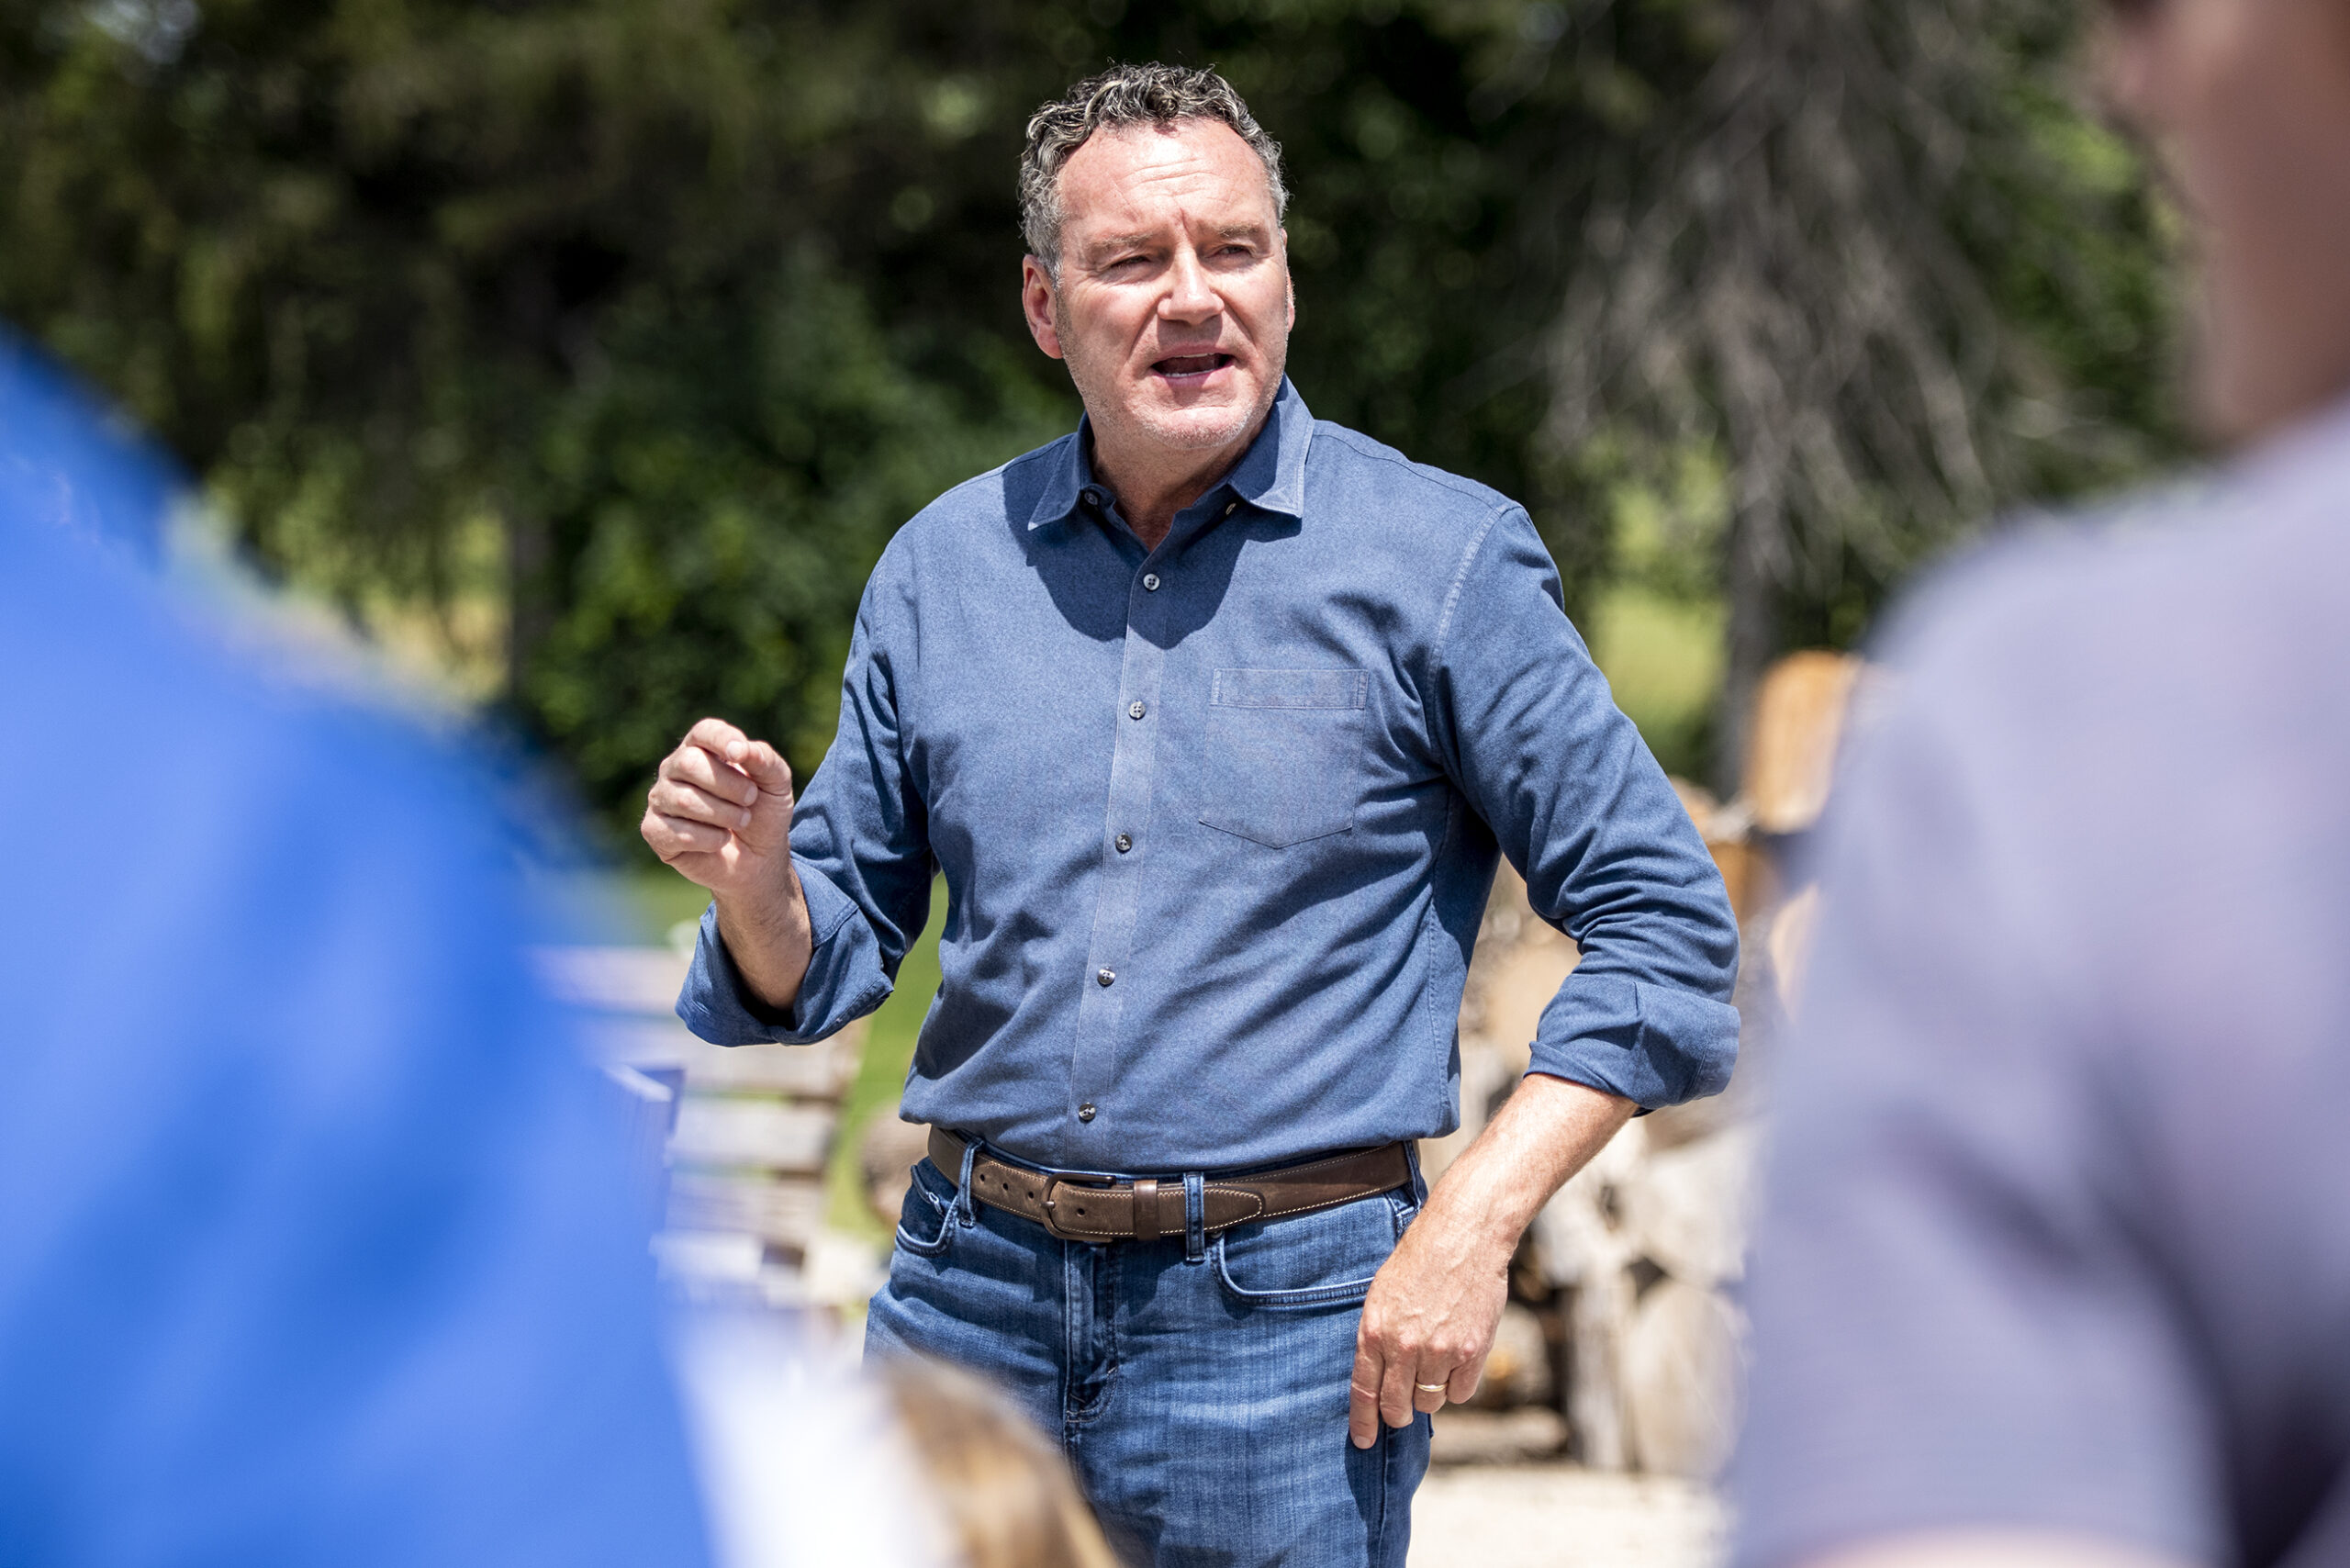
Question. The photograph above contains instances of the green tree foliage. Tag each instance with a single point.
(1873, 257)
(644, 322)
(659, 294)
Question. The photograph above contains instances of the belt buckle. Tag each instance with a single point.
(1053, 1184)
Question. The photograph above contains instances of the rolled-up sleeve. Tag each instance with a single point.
(860, 846)
(1533, 739)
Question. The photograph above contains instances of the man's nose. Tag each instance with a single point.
(1187, 297)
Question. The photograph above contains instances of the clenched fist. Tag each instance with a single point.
(721, 813)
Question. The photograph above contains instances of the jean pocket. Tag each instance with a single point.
(1285, 752)
(926, 1218)
(1312, 1260)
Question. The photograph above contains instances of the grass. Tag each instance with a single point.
(661, 901)
(1662, 658)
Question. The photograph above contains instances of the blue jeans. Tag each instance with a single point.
(1203, 1401)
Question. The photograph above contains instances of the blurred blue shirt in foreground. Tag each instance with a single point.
(1218, 820)
(315, 1244)
(2057, 1236)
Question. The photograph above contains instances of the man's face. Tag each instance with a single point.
(2247, 103)
(1172, 305)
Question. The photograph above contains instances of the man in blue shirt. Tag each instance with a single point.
(2055, 1262)
(316, 1240)
(1215, 719)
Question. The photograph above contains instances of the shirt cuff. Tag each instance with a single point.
(1653, 1045)
(845, 980)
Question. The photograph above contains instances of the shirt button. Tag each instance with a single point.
(1085, 1112)
(1124, 843)
(1092, 497)
(1150, 582)
(1135, 710)
(1103, 977)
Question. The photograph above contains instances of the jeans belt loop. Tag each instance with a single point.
(1195, 1217)
(963, 1188)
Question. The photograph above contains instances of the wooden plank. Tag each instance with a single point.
(1790, 945)
(638, 1041)
(782, 1212)
(821, 1071)
(614, 980)
(1791, 746)
(1748, 876)
(744, 1130)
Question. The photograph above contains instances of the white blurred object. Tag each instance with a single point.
(690, 1259)
(1681, 1360)
(1688, 1208)
(842, 1270)
(801, 1464)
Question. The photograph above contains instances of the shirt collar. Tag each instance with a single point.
(1271, 476)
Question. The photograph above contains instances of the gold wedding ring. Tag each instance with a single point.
(1431, 1388)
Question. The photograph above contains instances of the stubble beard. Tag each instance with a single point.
(1193, 430)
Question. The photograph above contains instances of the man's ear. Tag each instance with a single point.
(1036, 298)
(1289, 283)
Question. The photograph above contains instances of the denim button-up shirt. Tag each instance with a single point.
(1218, 820)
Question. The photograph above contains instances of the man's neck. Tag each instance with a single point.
(1153, 482)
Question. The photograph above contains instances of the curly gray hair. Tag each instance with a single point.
(1124, 95)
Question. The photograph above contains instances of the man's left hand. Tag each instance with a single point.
(1429, 1319)
(1432, 1310)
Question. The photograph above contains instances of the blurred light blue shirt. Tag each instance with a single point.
(316, 1237)
(1218, 820)
(2056, 1235)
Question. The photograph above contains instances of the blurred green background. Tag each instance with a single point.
(586, 353)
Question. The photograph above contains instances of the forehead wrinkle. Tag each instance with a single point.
(1142, 223)
(1164, 168)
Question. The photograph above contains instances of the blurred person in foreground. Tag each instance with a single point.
(2055, 1262)
(1215, 720)
(314, 1240)
(1002, 1490)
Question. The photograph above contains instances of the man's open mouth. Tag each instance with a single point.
(1178, 367)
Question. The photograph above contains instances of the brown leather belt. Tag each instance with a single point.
(1083, 1208)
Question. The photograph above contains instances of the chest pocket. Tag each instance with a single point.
(1285, 752)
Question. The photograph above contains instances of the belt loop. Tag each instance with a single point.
(1195, 1217)
(1419, 1182)
(963, 1188)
